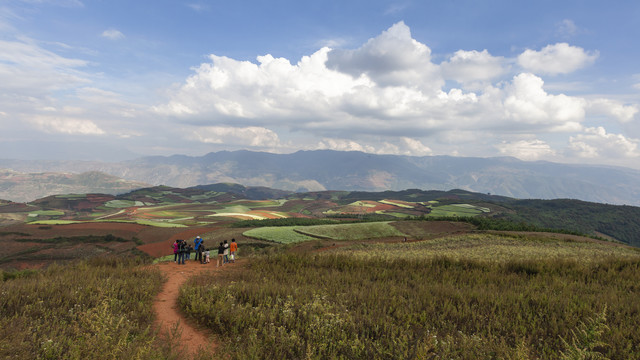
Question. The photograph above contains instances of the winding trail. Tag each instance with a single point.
(169, 318)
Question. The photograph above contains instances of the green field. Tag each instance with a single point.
(358, 231)
(456, 210)
(398, 204)
(46, 213)
(118, 204)
(279, 234)
(290, 234)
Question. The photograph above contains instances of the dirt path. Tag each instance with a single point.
(168, 316)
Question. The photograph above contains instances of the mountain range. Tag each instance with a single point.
(352, 171)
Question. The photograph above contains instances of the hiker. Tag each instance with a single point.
(197, 242)
(226, 252)
(189, 250)
(201, 250)
(182, 250)
(220, 255)
(232, 249)
(206, 256)
(175, 250)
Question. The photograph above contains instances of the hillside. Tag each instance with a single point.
(215, 204)
(356, 171)
(25, 187)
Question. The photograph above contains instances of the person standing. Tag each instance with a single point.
(220, 255)
(233, 247)
(182, 251)
(189, 250)
(175, 251)
(197, 243)
(226, 252)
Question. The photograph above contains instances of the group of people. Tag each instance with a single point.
(182, 251)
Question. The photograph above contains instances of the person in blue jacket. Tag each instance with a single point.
(197, 242)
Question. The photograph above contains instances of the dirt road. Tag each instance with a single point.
(168, 316)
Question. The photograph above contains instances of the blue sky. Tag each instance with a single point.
(110, 80)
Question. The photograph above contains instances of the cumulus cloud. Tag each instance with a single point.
(249, 136)
(474, 69)
(615, 109)
(393, 58)
(526, 149)
(112, 34)
(388, 96)
(560, 58)
(402, 146)
(382, 87)
(528, 103)
(595, 142)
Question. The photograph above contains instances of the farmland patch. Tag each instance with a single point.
(280, 234)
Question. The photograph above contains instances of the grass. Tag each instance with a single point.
(495, 248)
(356, 231)
(279, 234)
(445, 302)
(396, 203)
(454, 210)
(98, 309)
(122, 203)
(46, 213)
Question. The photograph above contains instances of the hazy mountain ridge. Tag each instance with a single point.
(24, 187)
(356, 171)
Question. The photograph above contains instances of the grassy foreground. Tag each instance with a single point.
(97, 309)
(434, 304)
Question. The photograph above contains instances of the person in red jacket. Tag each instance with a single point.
(175, 251)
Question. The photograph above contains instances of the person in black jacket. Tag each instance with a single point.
(182, 251)
(220, 255)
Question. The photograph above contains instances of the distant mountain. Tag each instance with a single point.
(356, 171)
(25, 187)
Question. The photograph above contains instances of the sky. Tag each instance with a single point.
(112, 80)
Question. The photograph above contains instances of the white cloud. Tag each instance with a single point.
(112, 34)
(560, 58)
(475, 68)
(402, 146)
(526, 149)
(528, 103)
(636, 77)
(27, 68)
(364, 91)
(66, 125)
(386, 96)
(393, 58)
(249, 136)
(595, 142)
(615, 109)
(344, 145)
